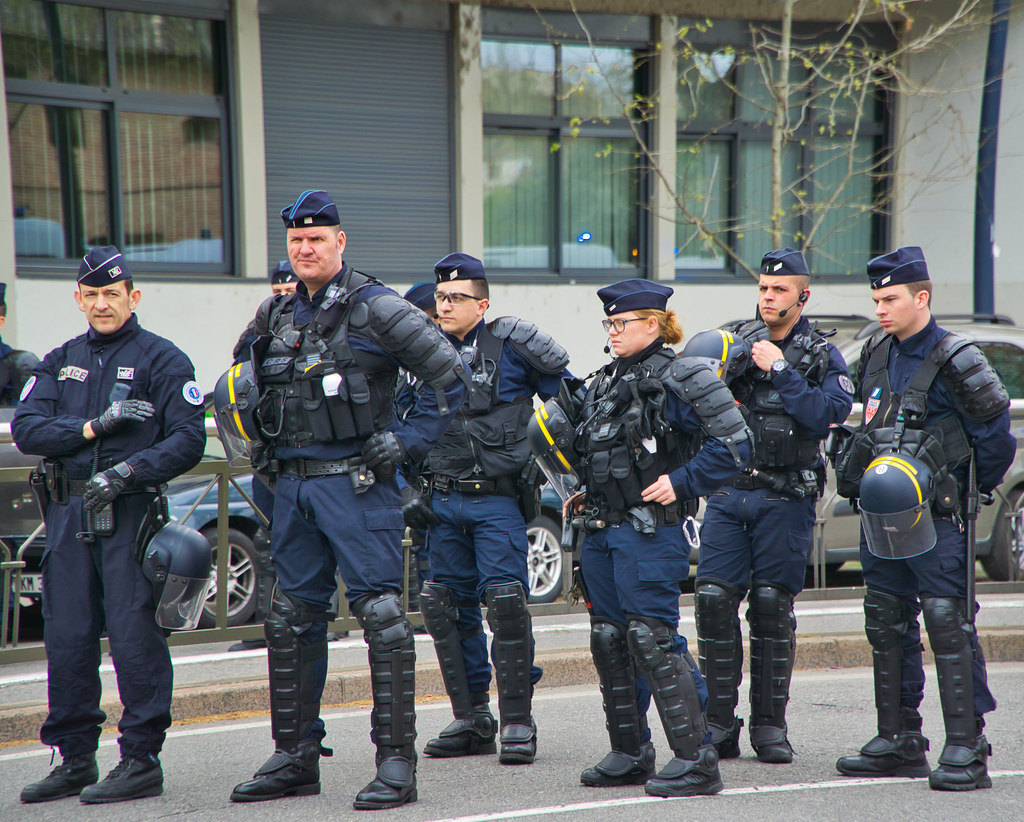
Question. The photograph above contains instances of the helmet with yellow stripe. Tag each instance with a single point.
(234, 400)
(896, 496)
(551, 434)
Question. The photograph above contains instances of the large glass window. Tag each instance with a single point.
(118, 130)
(830, 161)
(561, 189)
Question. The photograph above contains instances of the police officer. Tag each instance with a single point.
(15, 365)
(643, 454)
(757, 529)
(920, 384)
(284, 281)
(115, 412)
(476, 532)
(327, 360)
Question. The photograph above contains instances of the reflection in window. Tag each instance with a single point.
(596, 82)
(518, 198)
(59, 171)
(518, 78)
(164, 134)
(703, 186)
(53, 42)
(171, 189)
(599, 182)
(1008, 360)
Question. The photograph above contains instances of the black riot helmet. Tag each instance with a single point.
(178, 561)
(234, 401)
(550, 434)
(896, 494)
(725, 353)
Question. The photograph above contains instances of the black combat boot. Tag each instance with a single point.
(962, 767)
(134, 777)
(688, 777)
(512, 648)
(726, 740)
(720, 655)
(467, 736)
(620, 768)
(67, 779)
(289, 772)
(885, 756)
(395, 783)
(772, 654)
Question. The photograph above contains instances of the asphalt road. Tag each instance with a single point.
(831, 713)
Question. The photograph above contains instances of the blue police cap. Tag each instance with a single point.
(784, 261)
(312, 208)
(421, 295)
(103, 265)
(634, 295)
(3, 293)
(283, 273)
(904, 265)
(459, 266)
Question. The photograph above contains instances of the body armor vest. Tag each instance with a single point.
(780, 442)
(487, 437)
(314, 387)
(625, 440)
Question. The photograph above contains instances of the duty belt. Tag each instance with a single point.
(798, 483)
(321, 468)
(60, 488)
(644, 518)
(503, 486)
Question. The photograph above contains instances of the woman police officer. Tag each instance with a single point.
(654, 431)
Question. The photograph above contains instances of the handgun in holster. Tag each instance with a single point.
(37, 482)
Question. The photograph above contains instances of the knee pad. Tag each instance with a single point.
(383, 621)
(770, 611)
(716, 606)
(289, 617)
(506, 610)
(608, 645)
(439, 609)
(948, 631)
(650, 640)
(885, 620)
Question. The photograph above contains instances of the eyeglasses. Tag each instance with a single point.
(453, 297)
(618, 326)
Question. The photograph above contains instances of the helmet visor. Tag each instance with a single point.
(181, 603)
(549, 429)
(899, 535)
(237, 445)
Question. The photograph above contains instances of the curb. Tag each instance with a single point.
(220, 700)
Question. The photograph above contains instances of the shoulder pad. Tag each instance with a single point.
(266, 312)
(404, 331)
(720, 416)
(978, 392)
(538, 348)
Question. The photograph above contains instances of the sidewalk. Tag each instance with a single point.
(211, 683)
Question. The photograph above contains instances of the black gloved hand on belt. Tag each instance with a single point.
(382, 454)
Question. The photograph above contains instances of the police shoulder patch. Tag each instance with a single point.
(27, 389)
(846, 384)
(192, 392)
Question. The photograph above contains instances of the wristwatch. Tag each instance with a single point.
(779, 365)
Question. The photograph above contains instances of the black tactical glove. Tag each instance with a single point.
(120, 414)
(416, 510)
(106, 485)
(382, 453)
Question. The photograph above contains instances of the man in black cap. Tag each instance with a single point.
(933, 396)
(757, 530)
(327, 360)
(115, 412)
(474, 518)
(15, 365)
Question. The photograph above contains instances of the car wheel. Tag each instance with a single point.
(242, 593)
(544, 562)
(1004, 561)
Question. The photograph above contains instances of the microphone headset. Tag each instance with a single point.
(800, 301)
(607, 349)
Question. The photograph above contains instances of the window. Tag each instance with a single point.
(118, 129)
(561, 180)
(832, 168)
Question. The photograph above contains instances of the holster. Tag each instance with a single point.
(37, 482)
(56, 481)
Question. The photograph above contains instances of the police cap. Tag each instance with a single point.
(634, 295)
(283, 273)
(904, 265)
(783, 261)
(421, 295)
(311, 208)
(101, 266)
(459, 266)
